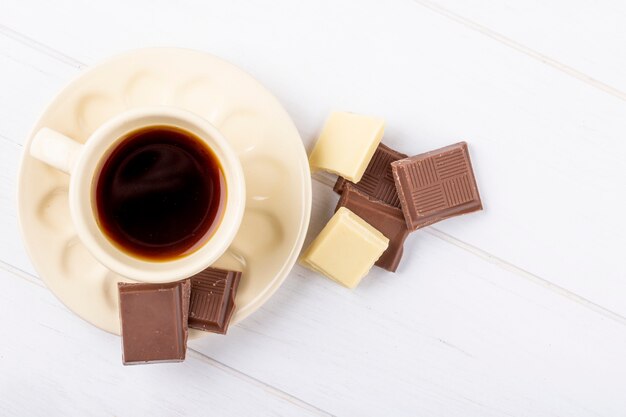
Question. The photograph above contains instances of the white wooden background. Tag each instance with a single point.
(519, 310)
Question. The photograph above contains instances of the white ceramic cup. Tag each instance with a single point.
(83, 164)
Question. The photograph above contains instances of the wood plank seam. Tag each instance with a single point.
(257, 382)
(572, 72)
(13, 141)
(20, 273)
(270, 389)
(501, 263)
(40, 47)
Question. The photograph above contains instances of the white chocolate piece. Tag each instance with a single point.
(347, 144)
(346, 249)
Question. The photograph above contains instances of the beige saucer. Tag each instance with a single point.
(270, 149)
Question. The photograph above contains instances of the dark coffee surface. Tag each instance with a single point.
(160, 193)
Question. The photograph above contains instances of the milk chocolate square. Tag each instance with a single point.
(436, 185)
(387, 219)
(213, 299)
(154, 321)
(377, 181)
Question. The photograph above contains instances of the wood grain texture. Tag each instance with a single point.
(584, 39)
(463, 329)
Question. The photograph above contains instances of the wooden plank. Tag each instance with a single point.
(53, 362)
(546, 147)
(450, 334)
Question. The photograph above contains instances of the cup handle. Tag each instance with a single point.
(55, 149)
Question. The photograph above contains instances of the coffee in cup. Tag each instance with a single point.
(160, 193)
(156, 194)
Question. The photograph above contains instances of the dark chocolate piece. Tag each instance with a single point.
(388, 219)
(213, 299)
(154, 321)
(377, 181)
(436, 185)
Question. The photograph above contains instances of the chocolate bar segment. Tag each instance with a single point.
(154, 321)
(213, 299)
(436, 185)
(377, 181)
(387, 219)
